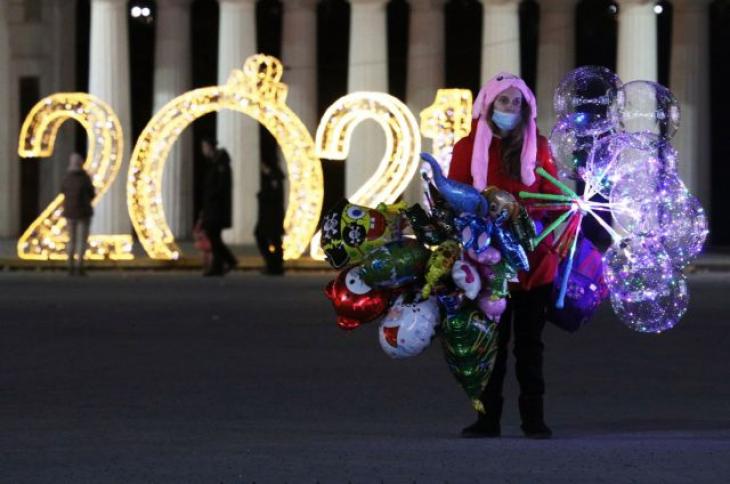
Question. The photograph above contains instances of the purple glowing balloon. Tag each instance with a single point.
(646, 293)
(660, 312)
(589, 99)
(649, 108)
(639, 157)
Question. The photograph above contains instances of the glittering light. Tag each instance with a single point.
(446, 121)
(47, 236)
(256, 92)
(403, 145)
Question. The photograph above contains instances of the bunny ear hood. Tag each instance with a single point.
(483, 135)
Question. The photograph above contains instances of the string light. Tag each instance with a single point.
(47, 236)
(402, 140)
(255, 91)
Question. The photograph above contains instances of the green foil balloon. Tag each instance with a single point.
(395, 264)
(470, 347)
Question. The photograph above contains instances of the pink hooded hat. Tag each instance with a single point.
(483, 135)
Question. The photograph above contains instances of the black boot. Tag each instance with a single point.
(487, 424)
(533, 423)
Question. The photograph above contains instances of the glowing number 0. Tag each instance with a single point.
(403, 145)
(256, 92)
(47, 236)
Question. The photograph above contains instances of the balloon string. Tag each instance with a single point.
(550, 228)
(560, 303)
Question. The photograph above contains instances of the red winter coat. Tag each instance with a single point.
(543, 263)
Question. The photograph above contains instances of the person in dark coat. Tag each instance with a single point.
(217, 208)
(78, 192)
(270, 225)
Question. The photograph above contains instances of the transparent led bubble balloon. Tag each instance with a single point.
(589, 99)
(648, 205)
(646, 293)
(659, 313)
(570, 150)
(649, 108)
(642, 156)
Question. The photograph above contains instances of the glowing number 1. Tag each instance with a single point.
(403, 145)
(47, 236)
(446, 121)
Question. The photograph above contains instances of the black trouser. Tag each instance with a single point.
(269, 242)
(525, 314)
(221, 253)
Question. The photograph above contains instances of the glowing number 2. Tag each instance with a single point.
(256, 92)
(403, 145)
(47, 236)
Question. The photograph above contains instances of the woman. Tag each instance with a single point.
(504, 149)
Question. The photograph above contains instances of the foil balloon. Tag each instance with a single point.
(524, 228)
(395, 264)
(510, 248)
(408, 328)
(589, 99)
(501, 274)
(461, 197)
(354, 301)
(502, 204)
(487, 257)
(649, 108)
(475, 232)
(469, 341)
(350, 231)
(492, 307)
(440, 262)
(426, 230)
(466, 278)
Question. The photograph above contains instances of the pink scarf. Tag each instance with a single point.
(483, 136)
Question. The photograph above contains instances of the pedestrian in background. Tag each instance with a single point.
(78, 192)
(217, 208)
(270, 224)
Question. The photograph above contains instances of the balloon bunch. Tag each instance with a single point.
(615, 139)
(443, 270)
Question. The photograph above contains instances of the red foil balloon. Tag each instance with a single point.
(354, 301)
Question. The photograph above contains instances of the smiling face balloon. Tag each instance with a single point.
(354, 301)
(351, 231)
(408, 329)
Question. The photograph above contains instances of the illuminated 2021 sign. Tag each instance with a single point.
(255, 91)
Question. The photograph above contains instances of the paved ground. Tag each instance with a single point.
(168, 377)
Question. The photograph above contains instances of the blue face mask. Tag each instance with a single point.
(505, 121)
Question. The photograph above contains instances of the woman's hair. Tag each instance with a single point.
(512, 143)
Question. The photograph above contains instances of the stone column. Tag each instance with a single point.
(426, 64)
(109, 80)
(59, 75)
(173, 77)
(500, 38)
(9, 178)
(299, 54)
(238, 133)
(637, 41)
(368, 71)
(690, 83)
(556, 55)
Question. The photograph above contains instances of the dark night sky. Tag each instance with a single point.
(596, 32)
